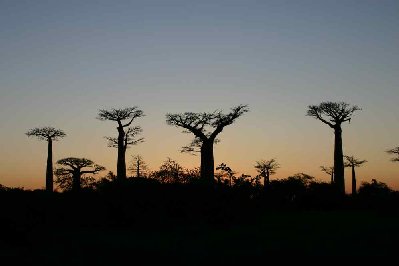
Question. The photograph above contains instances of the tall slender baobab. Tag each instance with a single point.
(266, 169)
(69, 175)
(329, 171)
(334, 114)
(394, 151)
(48, 134)
(205, 127)
(126, 134)
(352, 162)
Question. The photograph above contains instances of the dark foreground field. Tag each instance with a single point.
(186, 226)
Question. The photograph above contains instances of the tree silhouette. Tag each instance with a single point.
(71, 176)
(226, 171)
(138, 167)
(170, 172)
(267, 168)
(334, 114)
(328, 170)
(48, 134)
(394, 151)
(205, 127)
(124, 117)
(352, 162)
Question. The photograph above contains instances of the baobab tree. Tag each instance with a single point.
(329, 170)
(72, 173)
(334, 114)
(126, 134)
(205, 127)
(48, 134)
(394, 151)
(266, 169)
(138, 167)
(352, 162)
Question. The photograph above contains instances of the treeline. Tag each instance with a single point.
(74, 173)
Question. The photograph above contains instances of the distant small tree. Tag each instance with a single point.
(266, 169)
(395, 152)
(352, 162)
(226, 171)
(334, 114)
(72, 175)
(205, 127)
(170, 172)
(329, 170)
(48, 134)
(126, 134)
(138, 167)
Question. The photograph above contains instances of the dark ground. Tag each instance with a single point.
(180, 228)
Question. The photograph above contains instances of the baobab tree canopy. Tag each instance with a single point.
(78, 164)
(119, 115)
(69, 176)
(269, 166)
(332, 113)
(46, 133)
(205, 125)
(351, 161)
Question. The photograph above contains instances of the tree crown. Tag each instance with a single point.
(119, 115)
(269, 166)
(205, 126)
(46, 133)
(394, 151)
(351, 161)
(79, 163)
(332, 113)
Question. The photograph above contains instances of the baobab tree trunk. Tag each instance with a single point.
(76, 181)
(138, 169)
(207, 162)
(353, 181)
(49, 169)
(339, 178)
(266, 180)
(121, 164)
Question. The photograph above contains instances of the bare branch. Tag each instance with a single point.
(223, 120)
(327, 169)
(129, 138)
(195, 146)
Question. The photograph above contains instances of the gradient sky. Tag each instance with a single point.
(61, 61)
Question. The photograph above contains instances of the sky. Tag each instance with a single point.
(62, 61)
